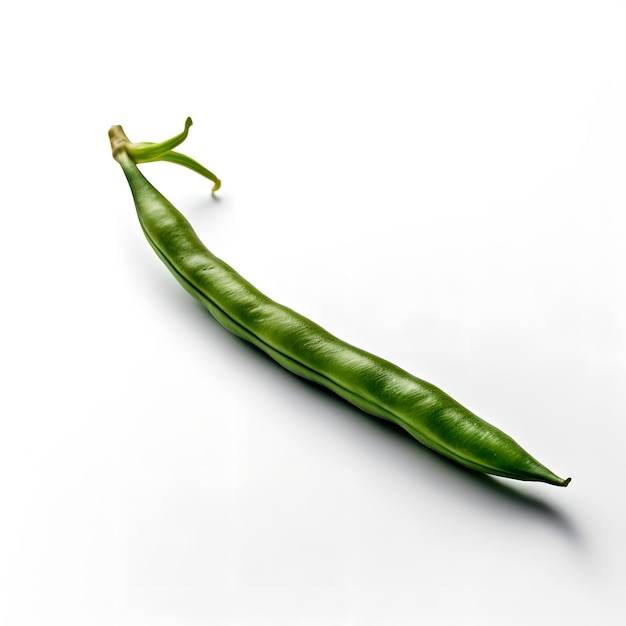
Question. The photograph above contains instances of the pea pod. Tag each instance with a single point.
(305, 348)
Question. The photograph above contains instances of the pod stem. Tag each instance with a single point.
(147, 152)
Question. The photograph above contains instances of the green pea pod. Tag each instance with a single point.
(304, 348)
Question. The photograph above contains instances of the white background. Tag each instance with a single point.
(441, 183)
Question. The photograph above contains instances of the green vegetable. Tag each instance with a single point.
(301, 346)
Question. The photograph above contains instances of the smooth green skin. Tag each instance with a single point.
(306, 349)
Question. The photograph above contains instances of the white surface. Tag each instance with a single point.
(442, 183)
